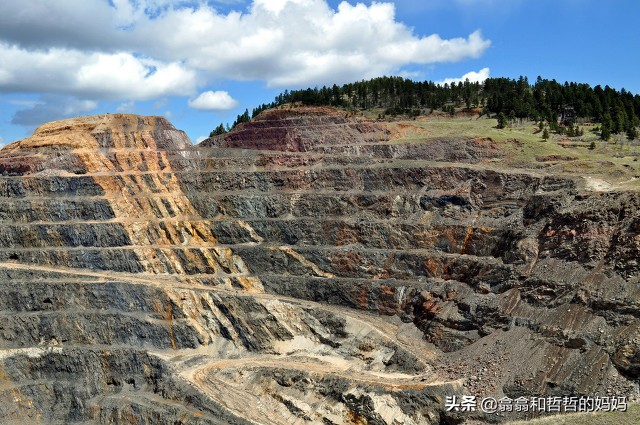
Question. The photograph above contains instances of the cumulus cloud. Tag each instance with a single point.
(91, 75)
(473, 77)
(300, 42)
(283, 42)
(136, 50)
(213, 101)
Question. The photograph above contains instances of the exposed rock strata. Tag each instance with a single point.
(307, 267)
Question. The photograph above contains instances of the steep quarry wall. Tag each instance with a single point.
(307, 267)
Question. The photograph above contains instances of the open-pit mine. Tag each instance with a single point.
(309, 267)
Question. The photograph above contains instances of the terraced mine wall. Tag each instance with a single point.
(306, 268)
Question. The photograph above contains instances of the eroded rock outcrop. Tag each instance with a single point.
(307, 267)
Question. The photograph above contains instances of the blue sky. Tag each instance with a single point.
(203, 62)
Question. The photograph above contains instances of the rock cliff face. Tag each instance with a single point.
(305, 268)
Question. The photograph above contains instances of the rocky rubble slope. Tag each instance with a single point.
(308, 267)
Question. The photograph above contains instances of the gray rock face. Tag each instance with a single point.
(306, 268)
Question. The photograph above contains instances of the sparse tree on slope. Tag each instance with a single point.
(502, 120)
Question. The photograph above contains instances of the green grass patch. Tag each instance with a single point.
(617, 162)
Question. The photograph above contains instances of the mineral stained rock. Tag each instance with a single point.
(306, 268)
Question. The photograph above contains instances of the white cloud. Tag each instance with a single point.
(136, 50)
(473, 77)
(213, 101)
(1, 140)
(299, 42)
(92, 75)
(200, 139)
(159, 47)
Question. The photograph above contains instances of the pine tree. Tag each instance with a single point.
(218, 131)
(517, 99)
(607, 122)
(605, 132)
(619, 121)
(569, 131)
(545, 135)
(502, 120)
